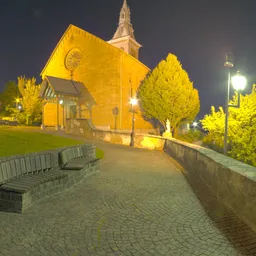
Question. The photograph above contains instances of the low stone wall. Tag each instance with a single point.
(84, 127)
(232, 181)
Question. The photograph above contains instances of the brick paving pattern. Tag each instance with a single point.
(138, 204)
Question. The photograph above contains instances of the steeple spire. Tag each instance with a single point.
(124, 27)
(125, 4)
(124, 37)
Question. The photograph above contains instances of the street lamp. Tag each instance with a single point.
(62, 103)
(17, 100)
(238, 82)
(133, 102)
(194, 124)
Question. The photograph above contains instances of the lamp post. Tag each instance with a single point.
(62, 103)
(133, 102)
(238, 82)
(43, 104)
(17, 100)
(194, 125)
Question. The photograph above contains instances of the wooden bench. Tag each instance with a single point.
(25, 179)
(76, 158)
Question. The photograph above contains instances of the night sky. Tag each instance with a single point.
(198, 32)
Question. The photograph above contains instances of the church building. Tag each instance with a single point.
(87, 77)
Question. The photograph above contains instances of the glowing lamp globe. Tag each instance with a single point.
(133, 101)
(195, 124)
(239, 82)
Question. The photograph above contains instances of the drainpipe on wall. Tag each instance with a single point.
(121, 92)
(42, 125)
(63, 116)
(57, 124)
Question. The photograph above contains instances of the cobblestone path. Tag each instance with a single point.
(138, 204)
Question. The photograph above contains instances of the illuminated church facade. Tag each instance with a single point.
(87, 77)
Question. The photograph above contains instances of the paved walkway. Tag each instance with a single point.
(138, 204)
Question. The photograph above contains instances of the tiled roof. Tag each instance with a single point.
(63, 86)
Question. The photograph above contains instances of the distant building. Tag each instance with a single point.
(86, 77)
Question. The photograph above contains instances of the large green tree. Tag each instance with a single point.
(241, 128)
(168, 94)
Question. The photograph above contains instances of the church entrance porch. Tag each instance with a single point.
(56, 111)
(61, 100)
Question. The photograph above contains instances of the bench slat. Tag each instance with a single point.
(1, 175)
(48, 161)
(80, 152)
(63, 157)
(13, 168)
(78, 164)
(38, 163)
(54, 161)
(24, 183)
(18, 166)
(33, 163)
(43, 161)
(8, 170)
(4, 171)
(23, 165)
(34, 180)
(70, 154)
(28, 165)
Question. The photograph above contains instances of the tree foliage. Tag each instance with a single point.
(8, 96)
(241, 128)
(214, 124)
(167, 93)
(31, 103)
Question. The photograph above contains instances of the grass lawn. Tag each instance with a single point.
(14, 141)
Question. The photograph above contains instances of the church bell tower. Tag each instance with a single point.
(124, 37)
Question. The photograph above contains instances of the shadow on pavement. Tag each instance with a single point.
(238, 233)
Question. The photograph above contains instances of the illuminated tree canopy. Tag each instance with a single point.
(167, 93)
(241, 128)
(31, 104)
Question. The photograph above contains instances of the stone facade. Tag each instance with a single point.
(84, 127)
(111, 76)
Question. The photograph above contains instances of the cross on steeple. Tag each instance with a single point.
(124, 36)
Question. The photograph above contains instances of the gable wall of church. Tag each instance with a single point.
(133, 75)
(105, 71)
